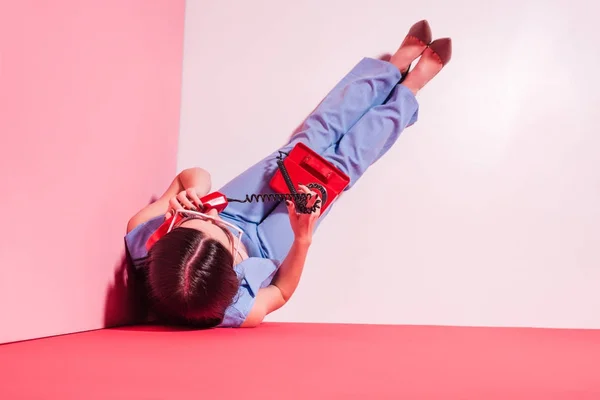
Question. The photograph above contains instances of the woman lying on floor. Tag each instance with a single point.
(200, 273)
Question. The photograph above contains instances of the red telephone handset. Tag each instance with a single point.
(212, 201)
(217, 201)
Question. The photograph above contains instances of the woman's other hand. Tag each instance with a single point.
(303, 225)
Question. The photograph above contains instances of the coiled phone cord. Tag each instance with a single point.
(299, 199)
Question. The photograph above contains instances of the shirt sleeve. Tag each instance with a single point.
(135, 240)
(255, 273)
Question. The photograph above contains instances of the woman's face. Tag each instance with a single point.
(211, 228)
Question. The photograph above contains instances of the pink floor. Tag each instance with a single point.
(306, 361)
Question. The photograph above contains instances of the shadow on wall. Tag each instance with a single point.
(125, 297)
(126, 302)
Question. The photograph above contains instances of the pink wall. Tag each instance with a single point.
(89, 115)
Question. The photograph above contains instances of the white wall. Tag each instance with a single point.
(492, 212)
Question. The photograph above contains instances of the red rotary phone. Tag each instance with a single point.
(301, 166)
(304, 166)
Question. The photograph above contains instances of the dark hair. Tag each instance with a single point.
(191, 280)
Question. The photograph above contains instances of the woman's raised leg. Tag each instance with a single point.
(379, 129)
(367, 85)
(367, 141)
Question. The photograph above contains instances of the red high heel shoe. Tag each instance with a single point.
(442, 48)
(438, 51)
(422, 32)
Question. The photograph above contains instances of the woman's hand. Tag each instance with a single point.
(303, 224)
(185, 200)
(195, 179)
(196, 183)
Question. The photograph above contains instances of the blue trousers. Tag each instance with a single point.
(356, 124)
